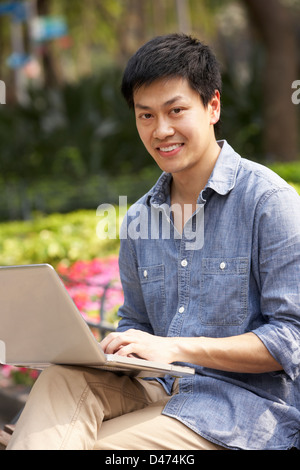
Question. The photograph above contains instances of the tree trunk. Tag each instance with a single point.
(159, 12)
(133, 32)
(183, 16)
(50, 67)
(275, 25)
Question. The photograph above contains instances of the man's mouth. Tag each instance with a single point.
(170, 148)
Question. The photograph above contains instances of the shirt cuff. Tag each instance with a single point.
(282, 341)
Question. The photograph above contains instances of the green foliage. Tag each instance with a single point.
(77, 146)
(20, 198)
(72, 237)
(58, 237)
(241, 117)
(289, 171)
(71, 148)
(81, 129)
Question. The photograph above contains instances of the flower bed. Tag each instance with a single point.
(87, 282)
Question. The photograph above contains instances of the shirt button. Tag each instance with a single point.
(222, 265)
(184, 262)
(181, 310)
(145, 273)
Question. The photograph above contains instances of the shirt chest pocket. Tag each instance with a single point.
(223, 291)
(152, 280)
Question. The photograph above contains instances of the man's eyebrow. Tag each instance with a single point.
(173, 100)
(167, 103)
(141, 106)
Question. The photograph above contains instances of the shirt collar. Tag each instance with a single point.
(222, 179)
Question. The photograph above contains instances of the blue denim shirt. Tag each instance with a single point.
(245, 276)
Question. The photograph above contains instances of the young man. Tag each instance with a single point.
(211, 279)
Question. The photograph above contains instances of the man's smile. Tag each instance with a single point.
(169, 150)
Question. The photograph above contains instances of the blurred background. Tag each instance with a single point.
(68, 143)
(67, 139)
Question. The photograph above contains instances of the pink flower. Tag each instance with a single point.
(6, 371)
(88, 281)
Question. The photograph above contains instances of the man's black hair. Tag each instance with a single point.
(169, 56)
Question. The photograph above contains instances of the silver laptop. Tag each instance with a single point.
(40, 325)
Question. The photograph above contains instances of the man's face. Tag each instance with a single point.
(173, 124)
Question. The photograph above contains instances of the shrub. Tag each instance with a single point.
(53, 239)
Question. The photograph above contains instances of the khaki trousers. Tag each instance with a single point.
(81, 408)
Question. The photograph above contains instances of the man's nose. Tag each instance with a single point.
(163, 129)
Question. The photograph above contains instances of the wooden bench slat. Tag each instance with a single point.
(5, 435)
(4, 439)
(9, 428)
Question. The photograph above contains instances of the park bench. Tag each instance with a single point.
(102, 326)
(5, 435)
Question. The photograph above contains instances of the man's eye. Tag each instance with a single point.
(176, 110)
(147, 116)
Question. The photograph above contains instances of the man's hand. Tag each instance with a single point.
(140, 344)
(244, 353)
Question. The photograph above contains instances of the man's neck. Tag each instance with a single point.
(187, 185)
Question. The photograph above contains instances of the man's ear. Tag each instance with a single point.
(215, 108)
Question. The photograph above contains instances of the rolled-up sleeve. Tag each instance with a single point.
(278, 240)
(133, 312)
